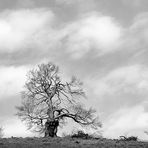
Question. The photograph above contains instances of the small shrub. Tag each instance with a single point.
(81, 134)
(131, 138)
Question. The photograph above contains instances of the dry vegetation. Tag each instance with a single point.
(68, 142)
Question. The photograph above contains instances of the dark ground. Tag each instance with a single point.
(15, 142)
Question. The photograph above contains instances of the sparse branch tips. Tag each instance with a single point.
(47, 100)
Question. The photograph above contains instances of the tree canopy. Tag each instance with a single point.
(46, 97)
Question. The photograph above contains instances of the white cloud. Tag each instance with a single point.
(127, 121)
(12, 80)
(18, 27)
(93, 31)
(122, 87)
(103, 34)
(139, 28)
(136, 35)
(14, 127)
(128, 79)
(36, 28)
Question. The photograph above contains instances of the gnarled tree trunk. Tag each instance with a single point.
(51, 128)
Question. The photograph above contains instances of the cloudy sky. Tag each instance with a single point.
(103, 42)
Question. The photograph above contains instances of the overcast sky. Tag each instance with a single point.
(103, 42)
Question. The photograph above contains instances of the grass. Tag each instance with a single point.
(34, 142)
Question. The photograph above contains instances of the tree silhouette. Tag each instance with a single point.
(47, 101)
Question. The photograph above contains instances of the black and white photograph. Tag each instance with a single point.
(73, 73)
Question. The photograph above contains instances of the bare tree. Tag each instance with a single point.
(47, 101)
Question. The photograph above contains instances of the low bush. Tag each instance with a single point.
(81, 134)
(131, 138)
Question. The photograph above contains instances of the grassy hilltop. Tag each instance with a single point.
(58, 142)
